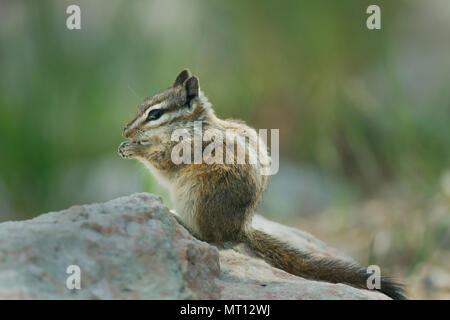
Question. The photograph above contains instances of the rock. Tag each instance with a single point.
(128, 248)
(133, 248)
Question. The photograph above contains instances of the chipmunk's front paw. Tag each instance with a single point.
(128, 150)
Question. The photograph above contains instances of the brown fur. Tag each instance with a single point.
(216, 202)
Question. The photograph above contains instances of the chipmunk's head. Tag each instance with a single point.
(167, 110)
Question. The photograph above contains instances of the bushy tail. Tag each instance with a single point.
(281, 255)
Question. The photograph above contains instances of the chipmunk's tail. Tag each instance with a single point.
(294, 261)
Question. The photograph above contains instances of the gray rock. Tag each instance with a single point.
(133, 248)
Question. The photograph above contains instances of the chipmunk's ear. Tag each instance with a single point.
(192, 87)
(182, 76)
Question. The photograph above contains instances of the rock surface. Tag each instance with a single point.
(133, 248)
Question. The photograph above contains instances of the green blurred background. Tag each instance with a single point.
(363, 115)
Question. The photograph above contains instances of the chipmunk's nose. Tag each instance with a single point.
(126, 132)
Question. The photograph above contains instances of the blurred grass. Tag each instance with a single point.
(309, 68)
(369, 109)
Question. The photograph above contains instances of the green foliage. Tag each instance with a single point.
(336, 90)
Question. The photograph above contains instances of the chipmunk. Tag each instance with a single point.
(216, 201)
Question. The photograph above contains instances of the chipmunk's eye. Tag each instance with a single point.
(154, 114)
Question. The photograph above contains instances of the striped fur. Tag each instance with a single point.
(216, 202)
